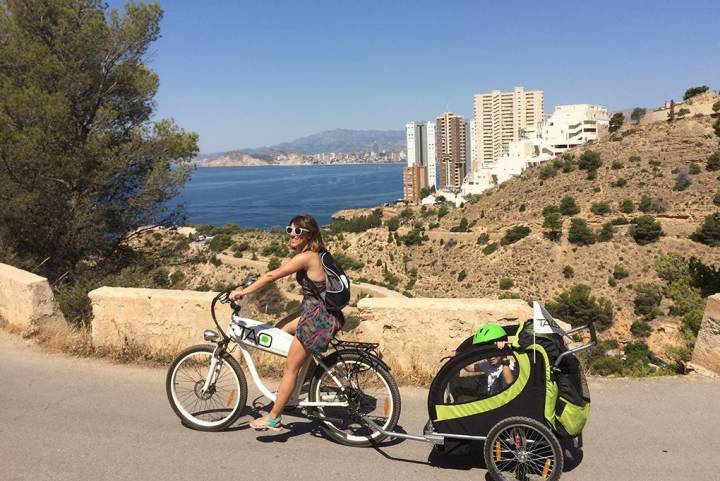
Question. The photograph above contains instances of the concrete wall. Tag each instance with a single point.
(415, 332)
(26, 299)
(160, 319)
(707, 346)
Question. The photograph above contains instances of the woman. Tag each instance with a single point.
(315, 326)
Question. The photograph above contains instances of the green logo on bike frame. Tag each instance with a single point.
(265, 340)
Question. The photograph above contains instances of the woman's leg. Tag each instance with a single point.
(296, 358)
(291, 327)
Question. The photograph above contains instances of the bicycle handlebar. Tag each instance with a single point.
(224, 298)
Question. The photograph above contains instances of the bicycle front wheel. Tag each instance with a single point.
(221, 404)
(367, 388)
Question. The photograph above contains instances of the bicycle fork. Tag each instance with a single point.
(213, 370)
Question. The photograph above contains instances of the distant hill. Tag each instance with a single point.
(338, 140)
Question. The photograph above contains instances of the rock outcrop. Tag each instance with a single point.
(707, 346)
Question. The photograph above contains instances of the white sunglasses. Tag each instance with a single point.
(295, 230)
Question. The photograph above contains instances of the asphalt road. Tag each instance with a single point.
(76, 419)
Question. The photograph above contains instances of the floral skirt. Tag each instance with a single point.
(316, 326)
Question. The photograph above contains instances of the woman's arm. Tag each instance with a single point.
(299, 262)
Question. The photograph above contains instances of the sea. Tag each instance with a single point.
(269, 196)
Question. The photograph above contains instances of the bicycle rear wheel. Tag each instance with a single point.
(218, 407)
(367, 387)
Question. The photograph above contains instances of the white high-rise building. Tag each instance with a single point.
(420, 138)
(504, 117)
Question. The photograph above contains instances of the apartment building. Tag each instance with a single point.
(504, 117)
(415, 178)
(572, 125)
(451, 148)
(420, 138)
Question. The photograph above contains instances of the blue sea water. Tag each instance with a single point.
(270, 196)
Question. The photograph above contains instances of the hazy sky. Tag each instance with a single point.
(246, 74)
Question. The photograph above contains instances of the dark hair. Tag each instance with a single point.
(306, 221)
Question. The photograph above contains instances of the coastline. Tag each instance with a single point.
(200, 166)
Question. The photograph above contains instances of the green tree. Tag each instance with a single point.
(645, 203)
(553, 223)
(568, 206)
(716, 199)
(713, 161)
(646, 230)
(600, 208)
(716, 106)
(716, 127)
(579, 233)
(83, 163)
(393, 223)
(577, 306)
(693, 91)
(220, 242)
(647, 301)
(709, 231)
(589, 161)
(506, 283)
(627, 206)
(637, 114)
(568, 272)
(514, 234)
(616, 121)
(606, 232)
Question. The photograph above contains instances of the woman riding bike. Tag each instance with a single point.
(315, 327)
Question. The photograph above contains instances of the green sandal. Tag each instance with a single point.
(266, 422)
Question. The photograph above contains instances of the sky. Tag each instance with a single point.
(248, 74)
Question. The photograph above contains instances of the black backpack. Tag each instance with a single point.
(337, 284)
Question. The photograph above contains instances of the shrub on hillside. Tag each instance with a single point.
(392, 223)
(693, 91)
(568, 206)
(462, 227)
(514, 234)
(506, 283)
(413, 238)
(616, 121)
(553, 223)
(490, 248)
(273, 264)
(713, 161)
(277, 249)
(709, 231)
(716, 127)
(600, 208)
(568, 272)
(579, 233)
(640, 328)
(547, 171)
(483, 238)
(716, 106)
(637, 114)
(682, 181)
(645, 203)
(442, 211)
(647, 301)
(347, 262)
(716, 199)
(627, 206)
(646, 230)
(549, 209)
(357, 224)
(577, 306)
(589, 161)
(220, 242)
(621, 182)
(616, 165)
(620, 272)
(606, 232)
(694, 168)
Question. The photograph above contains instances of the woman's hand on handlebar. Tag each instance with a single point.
(236, 295)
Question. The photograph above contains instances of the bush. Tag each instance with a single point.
(693, 91)
(568, 272)
(709, 231)
(682, 181)
(716, 106)
(514, 234)
(647, 301)
(547, 171)
(292, 306)
(461, 275)
(589, 161)
(621, 182)
(506, 283)
(483, 239)
(637, 352)
(273, 264)
(490, 248)
(620, 221)
(220, 242)
(640, 328)
(694, 169)
(716, 127)
(713, 161)
(620, 272)
(634, 158)
(607, 366)
(579, 233)
(568, 206)
(637, 114)
(616, 122)
(442, 211)
(600, 208)
(357, 224)
(215, 261)
(462, 227)
(627, 206)
(577, 307)
(413, 238)
(616, 165)
(646, 230)
(553, 223)
(276, 248)
(550, 209)
(606, 232)
(716, 199)
(348, 262)
(645, 203)
(407, 213)
(392, 223)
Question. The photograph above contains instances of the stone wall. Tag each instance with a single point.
(159, 319)
(26, 299)
(415, 332)
(707, 346)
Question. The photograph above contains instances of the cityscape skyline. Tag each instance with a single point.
(245, 75)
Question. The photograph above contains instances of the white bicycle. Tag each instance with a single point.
(208, 390)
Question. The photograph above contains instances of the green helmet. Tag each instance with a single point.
(489, 332)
